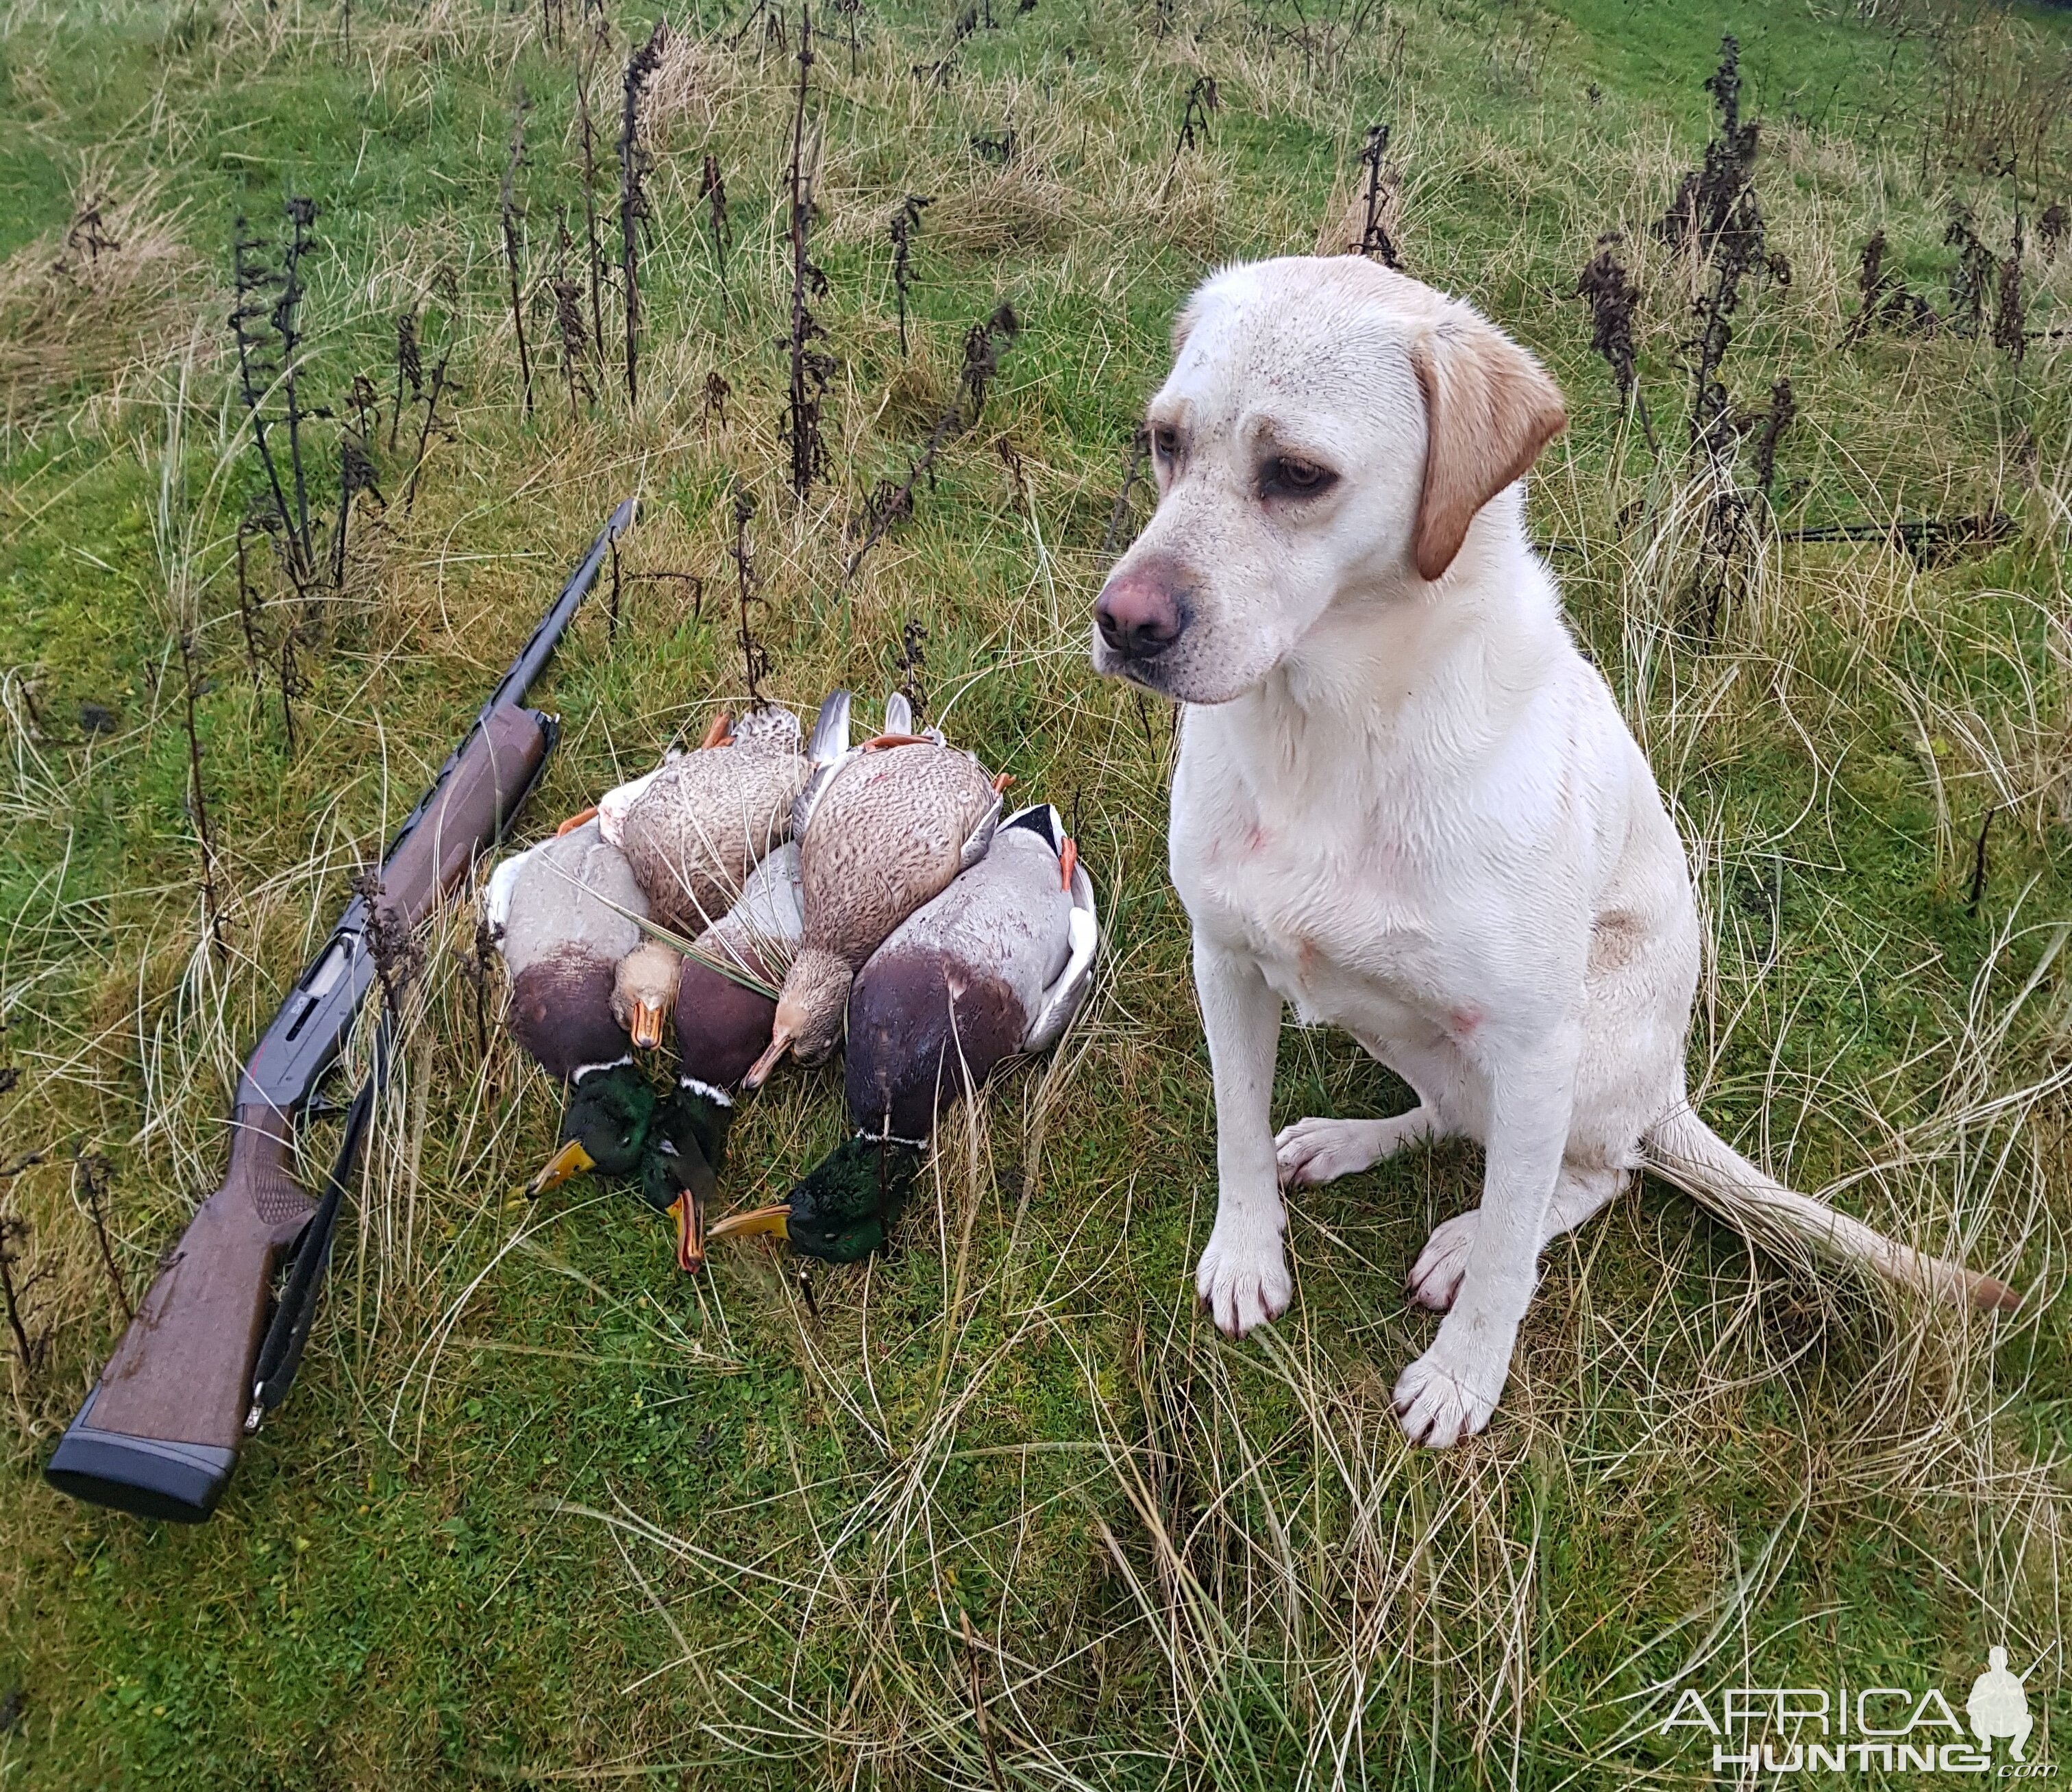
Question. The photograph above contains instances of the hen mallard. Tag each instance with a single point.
(885, 832)
(695, 828)
(996, 965)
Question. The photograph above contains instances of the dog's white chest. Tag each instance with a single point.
(1332, 907)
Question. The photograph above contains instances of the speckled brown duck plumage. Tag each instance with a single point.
(889, 831)
(703, 821)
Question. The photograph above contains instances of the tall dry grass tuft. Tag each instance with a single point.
(90, 317)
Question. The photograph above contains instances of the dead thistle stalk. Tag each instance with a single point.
(1614, 299)
(905, 227)
(983, 345)
(1203, 100)
(28, 1351)
(635, 162)
(587, 133)
(511, 221)
(568, 323)
(198, 806)
(754, 656)
(712, 189)
(92, 1170)
(811, 369)
(1374, 237)
(1140, 451)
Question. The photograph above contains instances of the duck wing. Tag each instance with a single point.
(1068, 990)
(503, 883)
(617, 802)
(979, 841)
(829, 750)
(760, 933)
(830, 736)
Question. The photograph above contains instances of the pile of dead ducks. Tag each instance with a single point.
(770, 895)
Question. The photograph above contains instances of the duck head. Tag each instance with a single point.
(609, 1115)
(809, 1013)
(706, 1114)
(676, 1174)
(845, 1207)
(643, 991)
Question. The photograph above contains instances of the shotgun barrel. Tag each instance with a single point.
(159, 1435)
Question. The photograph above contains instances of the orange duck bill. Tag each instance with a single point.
(647, 1025)
(571, 1160)
(691, 1234)
(773, 1055)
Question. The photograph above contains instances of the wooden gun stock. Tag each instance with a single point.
(159, 1434)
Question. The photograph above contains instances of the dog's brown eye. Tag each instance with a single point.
(1290, 477)
(1165, 443)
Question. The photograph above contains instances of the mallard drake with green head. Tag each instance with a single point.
(616, 1127)
(994, 967)
(565, 917)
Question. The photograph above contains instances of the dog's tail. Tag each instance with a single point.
(1682, 1149)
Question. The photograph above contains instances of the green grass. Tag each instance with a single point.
(539, 1507)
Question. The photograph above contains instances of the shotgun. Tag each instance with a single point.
(200, 1364)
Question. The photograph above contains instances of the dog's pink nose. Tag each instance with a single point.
(1138, 612)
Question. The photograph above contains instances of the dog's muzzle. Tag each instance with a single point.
(1140, 615)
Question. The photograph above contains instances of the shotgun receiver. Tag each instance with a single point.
(159, 1434)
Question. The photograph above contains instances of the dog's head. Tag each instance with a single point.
(1328, 433)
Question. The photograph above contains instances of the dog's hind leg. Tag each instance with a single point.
(1435, 1278)
(1319, 1150)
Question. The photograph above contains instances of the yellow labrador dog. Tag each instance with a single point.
(1406, 804)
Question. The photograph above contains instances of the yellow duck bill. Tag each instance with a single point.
(571, 1160)
(775, 1221)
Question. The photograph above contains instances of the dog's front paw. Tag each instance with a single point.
(1242, 1278)
(1319, 1150)
(1445, 1395)
(1435, 1278)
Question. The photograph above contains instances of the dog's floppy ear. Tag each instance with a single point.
(1489, 408)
